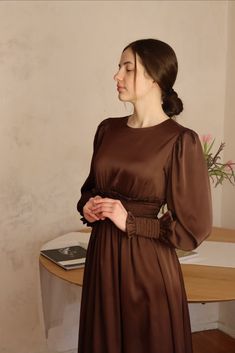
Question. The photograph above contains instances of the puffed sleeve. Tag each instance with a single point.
(188, 220)
(88, 188)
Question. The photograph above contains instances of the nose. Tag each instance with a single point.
(118, 76)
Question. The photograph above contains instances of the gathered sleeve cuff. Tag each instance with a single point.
(142, 226)
(85, 196)
(155, 228)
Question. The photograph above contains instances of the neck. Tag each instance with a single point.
(147, 113)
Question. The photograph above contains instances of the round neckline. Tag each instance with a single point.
(146, 127)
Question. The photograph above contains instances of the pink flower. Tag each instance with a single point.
(218, 172)
(229, 165)
(206, 138)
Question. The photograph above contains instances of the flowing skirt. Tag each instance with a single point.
(133, 296)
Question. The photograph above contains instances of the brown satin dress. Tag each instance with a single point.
(133, 297)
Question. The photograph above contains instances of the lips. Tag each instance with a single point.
(120, 88)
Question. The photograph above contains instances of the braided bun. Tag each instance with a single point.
(172, 104)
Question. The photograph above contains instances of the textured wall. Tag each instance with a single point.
(228, 201)
(57, 60)
(227, 310)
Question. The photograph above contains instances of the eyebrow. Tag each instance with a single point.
(125, 63)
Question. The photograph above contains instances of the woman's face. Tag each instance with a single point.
(125, 78)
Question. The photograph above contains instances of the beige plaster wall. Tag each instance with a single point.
(228, 199)
(227, 310)
(57, 60)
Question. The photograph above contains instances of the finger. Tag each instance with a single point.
(93, 210)
(92, 215)
(97, 197)
(106, 214)
(89, 202)
(106, 203)
(101, 213)
(104, 207)
(104, 199)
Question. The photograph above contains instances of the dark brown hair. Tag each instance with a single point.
(160, 62)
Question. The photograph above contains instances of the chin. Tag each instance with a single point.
(123, 98)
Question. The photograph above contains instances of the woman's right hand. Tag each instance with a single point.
(88, 214)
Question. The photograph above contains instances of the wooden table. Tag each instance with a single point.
(203, 283)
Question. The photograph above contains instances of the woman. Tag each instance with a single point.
(133, 298)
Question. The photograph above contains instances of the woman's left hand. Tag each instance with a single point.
(113, 209)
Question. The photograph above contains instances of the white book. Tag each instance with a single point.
(185, 255)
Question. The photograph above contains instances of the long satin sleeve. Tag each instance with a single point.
(188, 220)
(88, 188)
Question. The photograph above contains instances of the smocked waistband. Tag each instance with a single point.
(138, 207)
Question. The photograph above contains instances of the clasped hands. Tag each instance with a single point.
(98, 208)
